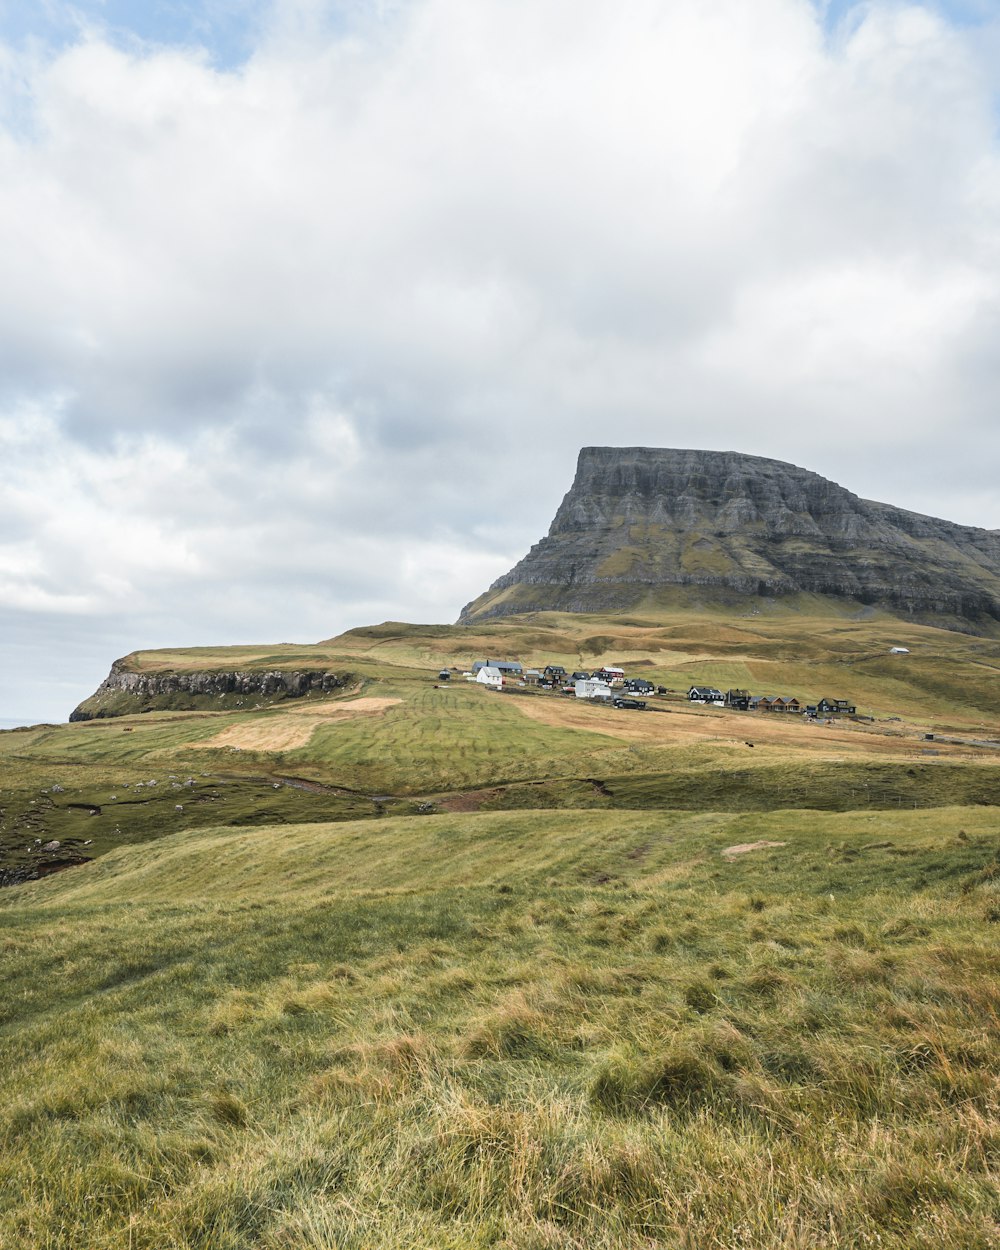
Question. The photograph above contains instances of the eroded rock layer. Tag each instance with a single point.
(638, 519)
(125, 691)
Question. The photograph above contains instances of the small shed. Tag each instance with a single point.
(899, 650)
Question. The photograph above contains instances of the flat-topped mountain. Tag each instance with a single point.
(641, 521)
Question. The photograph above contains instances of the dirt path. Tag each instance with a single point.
(286, 730)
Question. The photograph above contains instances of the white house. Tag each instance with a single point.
(899, 650)
(591, 689)
(490, 677)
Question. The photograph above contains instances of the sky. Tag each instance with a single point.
(306, 308)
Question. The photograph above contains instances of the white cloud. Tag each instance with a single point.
(263, 331)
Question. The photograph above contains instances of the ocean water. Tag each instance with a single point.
(8, 722)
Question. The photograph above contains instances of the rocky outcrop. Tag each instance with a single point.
(637, 519)
(125, 691)
(36, 862)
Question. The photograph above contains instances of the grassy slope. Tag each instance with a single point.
(509, 1030)
(283, 1026)
(438, 742)
(803, 650)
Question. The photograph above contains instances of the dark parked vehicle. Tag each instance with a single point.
(636, 704)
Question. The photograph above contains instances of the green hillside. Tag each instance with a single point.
(411, 963)
(509, 1030)
(427, 745)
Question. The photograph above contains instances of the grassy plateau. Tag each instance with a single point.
(422, 965)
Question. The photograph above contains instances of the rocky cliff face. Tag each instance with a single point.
(123, 692)
(637, 519)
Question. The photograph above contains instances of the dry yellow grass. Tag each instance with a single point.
(286, 730)
(673, 725)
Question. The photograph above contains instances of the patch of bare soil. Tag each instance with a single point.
(286, 730)
(469, 801)
(742, 848)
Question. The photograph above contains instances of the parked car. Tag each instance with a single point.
(636, 704)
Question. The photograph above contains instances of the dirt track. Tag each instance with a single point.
(291, 728)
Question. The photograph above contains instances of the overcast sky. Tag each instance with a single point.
(307, 307)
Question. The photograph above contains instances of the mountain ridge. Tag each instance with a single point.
(638, 520)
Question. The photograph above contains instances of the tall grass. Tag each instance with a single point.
(522, 1029)
(258, 1020)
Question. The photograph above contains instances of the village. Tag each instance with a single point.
(610, 685)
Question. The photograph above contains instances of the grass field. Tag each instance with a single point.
(423, 965)
(799, 648)
(510, 1030)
